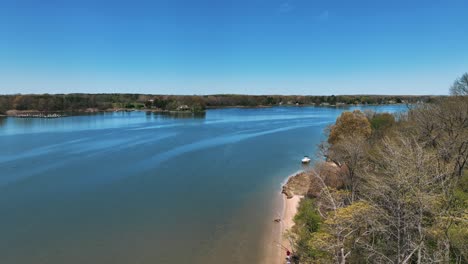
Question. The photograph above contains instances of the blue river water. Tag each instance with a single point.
(136, 187)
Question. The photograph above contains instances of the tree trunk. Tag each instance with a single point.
(343, 257)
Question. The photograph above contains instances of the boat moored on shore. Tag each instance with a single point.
(305, 160)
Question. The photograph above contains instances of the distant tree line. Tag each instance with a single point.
(82, 102)
(269, 100)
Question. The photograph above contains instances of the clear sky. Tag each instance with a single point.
(243, 46)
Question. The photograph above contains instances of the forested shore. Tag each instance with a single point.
(393, 189)
(194, 103)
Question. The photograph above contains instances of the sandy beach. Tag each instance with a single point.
(276, 243)
(287, 222)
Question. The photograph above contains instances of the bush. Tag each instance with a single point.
(382, 121)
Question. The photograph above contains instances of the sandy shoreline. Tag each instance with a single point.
(276, 241)
(290, 207)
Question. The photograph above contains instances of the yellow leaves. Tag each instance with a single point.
(350, 124)
(321, 240)
(435, 232)
(350, 214)
(342, 228)
(458, 234)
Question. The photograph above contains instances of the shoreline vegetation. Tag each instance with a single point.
(293, 191)
(298, 186)
(38, 105)
(386, 188)
(390, 189)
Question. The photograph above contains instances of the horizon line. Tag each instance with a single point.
(224, 94)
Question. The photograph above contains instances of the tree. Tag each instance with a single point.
(22, 102)
(460, 86)
(149, 104)
(343, 227)
(4, 105)
(382, 121)
(350, 124)
(443, 126)
(411, 187)
(350, 155)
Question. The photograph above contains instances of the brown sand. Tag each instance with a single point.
(276, 242)
(289, 211)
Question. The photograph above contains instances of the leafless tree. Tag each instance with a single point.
(460, 86)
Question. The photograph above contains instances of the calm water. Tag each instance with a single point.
(147, 188)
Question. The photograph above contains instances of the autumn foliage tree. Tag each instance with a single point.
(348, 146)
(348, 125)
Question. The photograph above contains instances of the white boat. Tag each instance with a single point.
(305, 159)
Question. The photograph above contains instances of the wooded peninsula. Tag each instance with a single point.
(388, 188)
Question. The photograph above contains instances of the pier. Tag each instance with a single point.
(38, 115)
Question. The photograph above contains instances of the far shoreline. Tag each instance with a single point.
(83, 112)
(90, 111)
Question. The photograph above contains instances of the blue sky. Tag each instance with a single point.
(243, 46)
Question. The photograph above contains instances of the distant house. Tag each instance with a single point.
(183, 108)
